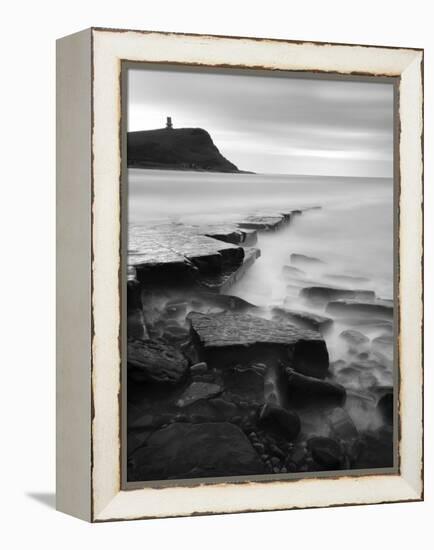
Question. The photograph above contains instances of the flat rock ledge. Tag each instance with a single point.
(225, 338)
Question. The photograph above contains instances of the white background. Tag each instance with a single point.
(27, 398)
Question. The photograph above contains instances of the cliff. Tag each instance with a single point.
(180, 149)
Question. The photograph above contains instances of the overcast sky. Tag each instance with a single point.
(270, 124)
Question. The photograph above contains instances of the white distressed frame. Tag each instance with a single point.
(106, 500)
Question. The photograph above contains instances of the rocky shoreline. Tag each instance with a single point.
(218, 386)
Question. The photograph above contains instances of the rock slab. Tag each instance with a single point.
(227, 338)
(155, 361)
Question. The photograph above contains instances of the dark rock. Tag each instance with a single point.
(225, 409)
(244, 383)
(385, 406)
(150, 421)
(189, 351)
(175, 334)
(280, 421)
(354, 337)
(322, 294)
(228, 337)
(302, 319)
(136, 327)
(134, 295)
(221, 282)
(305, 391)
(259, 447)
(199, 368)
(342, 424)
(197, 391)
(226, 302)
(349, 308)
(155, 361)
(183, 451)
(307, 261)
(326, 452)
(377, 450)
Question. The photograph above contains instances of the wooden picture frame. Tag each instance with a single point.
(89, 271)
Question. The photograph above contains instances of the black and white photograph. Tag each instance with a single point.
(259, 274)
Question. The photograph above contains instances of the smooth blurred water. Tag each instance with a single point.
(353, 232)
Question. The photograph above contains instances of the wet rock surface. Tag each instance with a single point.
(306, 391)
(281, 421)
(183, 451)
(223, 337)
(155, 361)
(324, 294)
(219, 385)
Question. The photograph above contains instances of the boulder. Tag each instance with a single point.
(155, 361)
(197, 391)
(324, 294)
(227, 338)
(350, 308)
(305, 391)
(326, 452)
(282, 421)
(184, 451)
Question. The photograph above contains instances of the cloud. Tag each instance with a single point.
(274, 124)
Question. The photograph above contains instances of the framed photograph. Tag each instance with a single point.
(239, 267)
